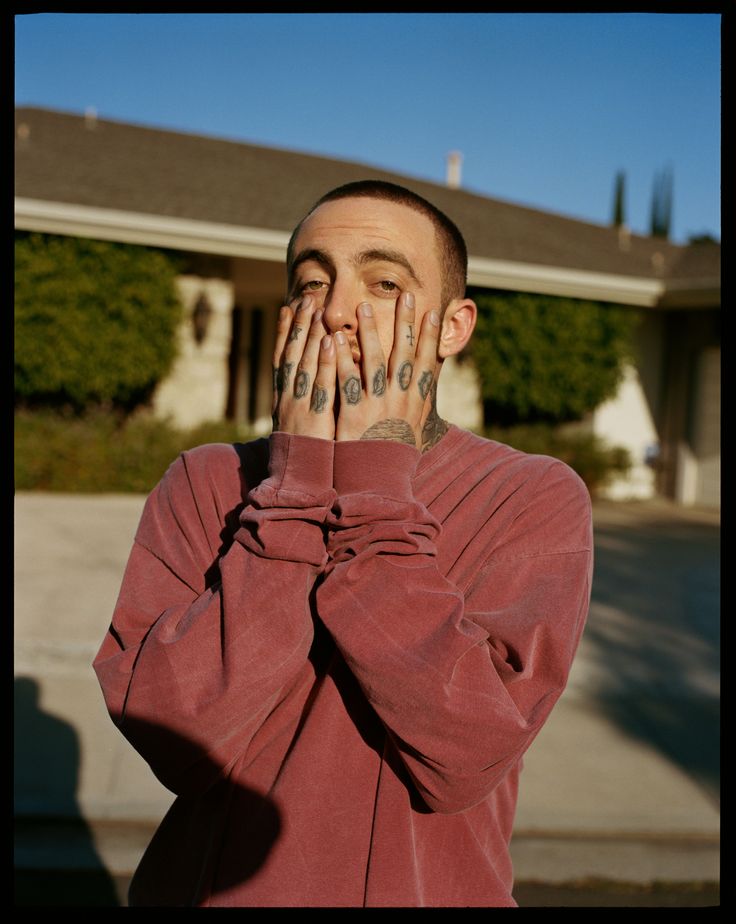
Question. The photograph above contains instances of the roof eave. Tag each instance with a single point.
(568, 282)
(265, 244)
(150, 230)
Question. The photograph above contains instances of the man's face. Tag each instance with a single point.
(366, 250)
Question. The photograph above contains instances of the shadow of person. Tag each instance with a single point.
(56, 861)
(180, 867)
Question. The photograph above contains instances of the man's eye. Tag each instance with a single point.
(314, 285)
(387, 285)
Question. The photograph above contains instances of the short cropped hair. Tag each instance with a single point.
(450, 242)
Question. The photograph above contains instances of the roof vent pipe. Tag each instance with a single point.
(90, 118)
(454, 162)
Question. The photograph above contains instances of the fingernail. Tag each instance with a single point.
(340, 337)
(366, 309)
(317, 316)
(409, 299)
(434, 317)
(306, 302)
(326, 342)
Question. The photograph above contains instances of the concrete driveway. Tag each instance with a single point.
(622, 783)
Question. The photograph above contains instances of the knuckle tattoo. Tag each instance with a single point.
(351, 390)
(404, 375)
(379, 381)
(319, 399)
(425, 383)
(301, 385)
(286, 375)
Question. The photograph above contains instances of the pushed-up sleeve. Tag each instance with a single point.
(462, 680)
(210, 632)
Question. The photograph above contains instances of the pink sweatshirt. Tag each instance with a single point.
(335, 655)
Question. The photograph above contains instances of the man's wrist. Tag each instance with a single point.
(382, 467)
(300, 463)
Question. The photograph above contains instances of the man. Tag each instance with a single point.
(334, 645)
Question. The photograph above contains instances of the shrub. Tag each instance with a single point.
(592, 458)
(99, 452)
(106, 453)
(95, 322)
(546, 359)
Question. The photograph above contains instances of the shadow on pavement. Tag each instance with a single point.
(56, 860)
(46, 769)
(618, 895)
(654, 633)
(78, 888)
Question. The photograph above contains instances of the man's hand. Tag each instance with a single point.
(389, 401)
(304, 369)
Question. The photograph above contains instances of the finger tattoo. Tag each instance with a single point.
(319, 399)
(276, 379)
(301, 385)
(294, 335)
(287, 374)
(404, 376)
(379, 381)
(410, 335)
(351, 390)
(425, 383)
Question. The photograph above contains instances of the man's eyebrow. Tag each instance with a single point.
(318, 256)
(387, 256)
(365, 256)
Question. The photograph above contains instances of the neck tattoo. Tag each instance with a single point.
(434, 427)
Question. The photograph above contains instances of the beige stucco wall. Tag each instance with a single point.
(458, 394)
(626, 420)
(196, 389)
(630, 418)
(699, 454)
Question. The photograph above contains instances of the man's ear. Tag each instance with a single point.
(458, 324)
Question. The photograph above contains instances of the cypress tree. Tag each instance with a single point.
(619, 211)
(661, 218)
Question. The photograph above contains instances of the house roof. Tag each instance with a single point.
(70, 159)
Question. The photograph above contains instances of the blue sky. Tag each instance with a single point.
(545, 108)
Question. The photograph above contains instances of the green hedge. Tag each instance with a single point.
(592, 458)
(95, 322)
(99, 452)
(541, 358)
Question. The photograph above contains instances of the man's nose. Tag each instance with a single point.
(339, 308)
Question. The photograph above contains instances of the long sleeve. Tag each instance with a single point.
(211, 630)
(462, 678)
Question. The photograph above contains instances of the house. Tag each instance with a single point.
(230, 207)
